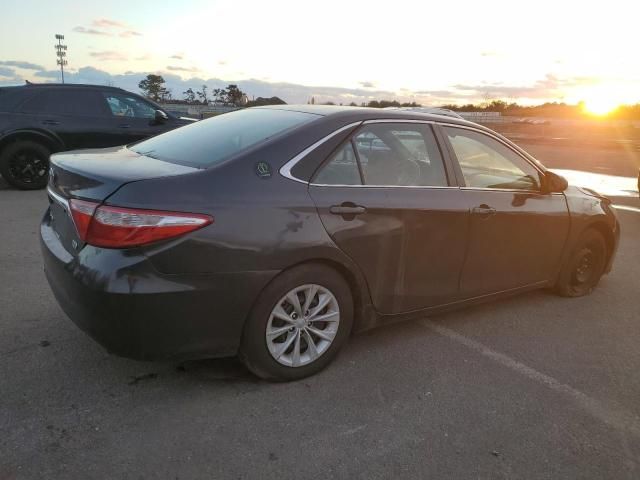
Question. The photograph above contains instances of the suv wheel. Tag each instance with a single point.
(25, 164)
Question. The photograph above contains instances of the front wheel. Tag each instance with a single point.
(25, 165)
(582, 272)
(298, 324)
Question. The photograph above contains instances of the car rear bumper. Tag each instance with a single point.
(122, 302)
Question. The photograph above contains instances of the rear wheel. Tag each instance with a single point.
(25, 164)
(298, 324)
(585, 266)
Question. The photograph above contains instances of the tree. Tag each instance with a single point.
(189, 95)
(218, 95)
(153, 87)
(234, 95)
(202, 94)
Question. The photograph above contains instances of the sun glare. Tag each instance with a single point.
(600, 106)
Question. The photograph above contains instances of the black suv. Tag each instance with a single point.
(37, 120)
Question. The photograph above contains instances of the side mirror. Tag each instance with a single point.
(160, 117)
(554, 183)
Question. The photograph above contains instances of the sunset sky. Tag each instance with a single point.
(430, 52)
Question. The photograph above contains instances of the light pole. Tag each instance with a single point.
(61, 52)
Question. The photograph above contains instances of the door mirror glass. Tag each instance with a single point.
(554, 183)
(160, 117)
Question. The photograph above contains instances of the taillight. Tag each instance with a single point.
(82, 213)
(119, 227)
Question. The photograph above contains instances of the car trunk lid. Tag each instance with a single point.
(94, 175)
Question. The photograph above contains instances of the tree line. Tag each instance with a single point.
(153, 87)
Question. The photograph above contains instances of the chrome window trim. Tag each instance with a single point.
(285, 170)
(382, 186)
(60, 200)
(510, 190)
(397, 120)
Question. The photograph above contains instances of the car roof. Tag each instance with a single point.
(367, 113)
(65, 85)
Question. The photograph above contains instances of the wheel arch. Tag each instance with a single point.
(363, 311)
(605, 230)
(50, 140)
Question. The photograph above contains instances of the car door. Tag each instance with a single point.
(385, 199)
(132, 118)
(78, 116)
(517, 232)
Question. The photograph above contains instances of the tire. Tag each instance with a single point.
(25, 164)
(267, 316)
(584, 268)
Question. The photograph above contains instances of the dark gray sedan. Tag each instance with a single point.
(273, 233)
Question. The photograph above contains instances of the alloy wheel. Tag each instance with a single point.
(302, 325)
(27, 167)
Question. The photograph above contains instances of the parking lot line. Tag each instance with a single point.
(614, 416)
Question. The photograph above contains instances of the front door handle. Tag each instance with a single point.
(50, 122)
(347, 210)
(125, 125)
(484, 211)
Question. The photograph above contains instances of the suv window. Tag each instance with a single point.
(400, 154)
(129, 106)
(65, 101)
(487, 163)
(211, 141)
(341, 169)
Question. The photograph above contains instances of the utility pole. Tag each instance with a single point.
(61, 52)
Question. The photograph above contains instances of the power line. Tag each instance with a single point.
(61, 53)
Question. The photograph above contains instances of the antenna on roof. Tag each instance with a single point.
(28, 82)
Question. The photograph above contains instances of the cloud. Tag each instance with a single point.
(174, 68)
(106, 27)
(108, 55)
(367, 84)
(108, 23)
(222, 62)
(90, 31)
(20, 64)
(7, 72)
(129, 34)
(177, 56)
(548, 87)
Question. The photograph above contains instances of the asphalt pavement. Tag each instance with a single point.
(532, 387)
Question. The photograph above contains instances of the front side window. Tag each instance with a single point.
(129, 106)
(397, 154)
(487, 163)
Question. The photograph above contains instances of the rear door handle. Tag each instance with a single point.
(484, 211)
(50, 122)
(125, 125)
(347, 210)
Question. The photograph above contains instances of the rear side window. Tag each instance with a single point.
(341, 169)
(208, 142)
(11, 98)
(66, 102)
(397, 154)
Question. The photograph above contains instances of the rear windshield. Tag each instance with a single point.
(208, 142)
